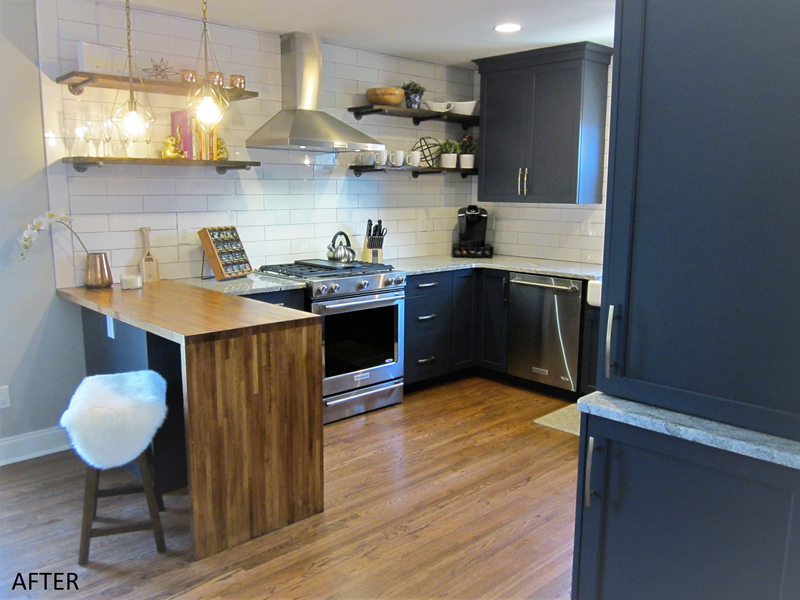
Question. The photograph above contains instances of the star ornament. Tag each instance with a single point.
(160, 70)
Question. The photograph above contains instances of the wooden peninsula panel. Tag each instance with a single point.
(252, 400)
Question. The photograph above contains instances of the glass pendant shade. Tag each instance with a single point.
(208, 98)
(132, 118)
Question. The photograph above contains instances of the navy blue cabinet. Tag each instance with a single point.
(543, 115)
(659, 518)
(288, 298)
(493, 319)
(700, 270)
(465, 319)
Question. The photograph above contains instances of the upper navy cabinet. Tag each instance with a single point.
(701, 270)
(543, 115)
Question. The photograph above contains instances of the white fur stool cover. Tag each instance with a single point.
(112, 418)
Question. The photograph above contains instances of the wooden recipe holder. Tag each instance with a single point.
(225, 252)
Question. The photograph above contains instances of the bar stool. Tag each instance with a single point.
(111, 420)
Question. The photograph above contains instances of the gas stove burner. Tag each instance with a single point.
(306, 269)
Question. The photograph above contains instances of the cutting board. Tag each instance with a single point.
(148, 266)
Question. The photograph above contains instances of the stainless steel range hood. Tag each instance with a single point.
(301, 125)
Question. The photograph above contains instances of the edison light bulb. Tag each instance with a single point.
(207, 111)
(133, 125)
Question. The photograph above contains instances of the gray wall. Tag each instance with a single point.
(41, 344)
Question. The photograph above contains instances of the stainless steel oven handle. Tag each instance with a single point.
(323, 308)
(366, 392)
(570, 288)
(426, 317)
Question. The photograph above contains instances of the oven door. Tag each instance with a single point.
(362, 340)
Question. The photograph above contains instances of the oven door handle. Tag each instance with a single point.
(330, 309)
(366, 392)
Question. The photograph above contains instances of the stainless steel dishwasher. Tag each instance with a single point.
(544, 323)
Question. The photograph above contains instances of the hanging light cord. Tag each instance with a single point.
(131, 101)
(205, 37)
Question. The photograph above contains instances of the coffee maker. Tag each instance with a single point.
(472, 221)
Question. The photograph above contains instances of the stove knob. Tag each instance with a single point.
(400, 279)
(334, 288)
(363, 284)
(389, 280)
(322, 288)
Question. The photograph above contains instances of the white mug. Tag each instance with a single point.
(380, 158)
(364, 158)
(413, 159)
(397, 158)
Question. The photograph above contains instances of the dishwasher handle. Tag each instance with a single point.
(566, 288)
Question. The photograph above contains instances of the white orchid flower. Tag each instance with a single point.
(31, 232)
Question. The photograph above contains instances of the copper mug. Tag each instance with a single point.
(216, 78)
(237, 82)
(188, 75)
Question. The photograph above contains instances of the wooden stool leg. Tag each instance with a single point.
(152, 505)
(89, 510)
(159, 495)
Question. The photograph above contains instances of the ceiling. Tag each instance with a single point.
(448, 32)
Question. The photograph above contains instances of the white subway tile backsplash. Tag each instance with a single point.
(83, 205)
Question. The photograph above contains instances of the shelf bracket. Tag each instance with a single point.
(369, 111)
(222, 170)
(418, 120)
(82, 167)
(76, 89)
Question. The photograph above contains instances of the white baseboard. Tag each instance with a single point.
(30, 445)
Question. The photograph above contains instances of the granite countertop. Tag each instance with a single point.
(758, 445)
(253, 283)
(256, 283)
(557, 268)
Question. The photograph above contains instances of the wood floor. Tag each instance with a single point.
(455, 493)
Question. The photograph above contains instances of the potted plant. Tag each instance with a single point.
(466, 157)
(414, 93)
(448, 154)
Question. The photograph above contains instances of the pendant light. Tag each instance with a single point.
(208, 100)
(132, 118)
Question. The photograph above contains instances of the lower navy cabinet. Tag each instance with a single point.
(660, 518)
(465, 319)
(493, 319)
(289, 298)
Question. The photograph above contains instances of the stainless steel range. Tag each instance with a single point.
(362, 308)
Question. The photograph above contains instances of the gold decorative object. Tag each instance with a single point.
(131, 117)
(172, 146)
(237, 82)
(188, 75)
(98, 271)
(209, 100)
(160, 69)
(221, 151)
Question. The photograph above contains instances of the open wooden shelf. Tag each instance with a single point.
(415, 171)
(81, 163)
(418, 115)
(77, 80)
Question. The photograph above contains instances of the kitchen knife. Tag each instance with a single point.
(369, 227)
(377, 230)
(148, 266)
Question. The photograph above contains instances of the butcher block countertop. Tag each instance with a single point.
(177, 310)
(251, 388)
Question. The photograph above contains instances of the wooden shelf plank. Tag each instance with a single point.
(77, 80)
(81, 163)
(417, 114)
(415, 171)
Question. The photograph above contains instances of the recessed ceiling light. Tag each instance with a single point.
(508, 28)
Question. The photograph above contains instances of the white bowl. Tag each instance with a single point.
(464, 108)
(438, 106)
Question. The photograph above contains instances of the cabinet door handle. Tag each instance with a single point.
(424, 361)
(587, 474)
(427, 285)
(525, 192)
(505, 290)
(519, 182)
(609, 326)
(426, 317)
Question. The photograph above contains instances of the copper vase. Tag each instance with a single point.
(98, 271)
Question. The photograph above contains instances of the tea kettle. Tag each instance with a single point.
(341, 253)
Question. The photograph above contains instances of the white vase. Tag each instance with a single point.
(448, 161)
(466, 161)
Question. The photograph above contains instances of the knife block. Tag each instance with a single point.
(372, 255)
